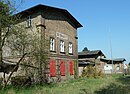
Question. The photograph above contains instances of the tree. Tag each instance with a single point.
(20, 43)
(85, 49)
(129, 63)
(7, 29)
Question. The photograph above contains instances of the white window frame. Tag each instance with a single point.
(70, 48)
(62, 46)
(52, 44)
(29, 21)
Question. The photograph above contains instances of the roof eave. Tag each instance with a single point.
(40, 6)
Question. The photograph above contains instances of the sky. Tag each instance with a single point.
(106, 23)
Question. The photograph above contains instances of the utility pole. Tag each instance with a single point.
(111, 51)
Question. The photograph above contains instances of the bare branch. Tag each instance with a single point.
(13, 70)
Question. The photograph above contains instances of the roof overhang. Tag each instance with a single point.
(44, 7)
(113, 60)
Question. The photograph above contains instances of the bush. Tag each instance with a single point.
(1, 80)
(20, 81)
(91, 71)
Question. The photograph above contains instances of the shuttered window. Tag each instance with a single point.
(52, 68)
(71, 67)
(62, 68)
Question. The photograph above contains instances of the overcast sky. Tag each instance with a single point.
(106, 23)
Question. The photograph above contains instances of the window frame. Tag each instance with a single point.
(62, 46)
(70, 51)
(52, 44)
(29, 21)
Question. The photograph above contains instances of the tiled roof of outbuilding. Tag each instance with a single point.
(90, 52)
(115, 60)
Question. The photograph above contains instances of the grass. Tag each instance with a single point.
(108, 85)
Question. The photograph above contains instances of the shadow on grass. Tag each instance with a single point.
(124, 80)
(114, 89)
(30, 88)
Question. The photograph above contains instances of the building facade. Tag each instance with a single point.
(113, 65)
(90, 58)
(59, 28)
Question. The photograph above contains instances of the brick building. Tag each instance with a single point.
(60, 28)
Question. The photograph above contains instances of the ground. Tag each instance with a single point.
(115, 84)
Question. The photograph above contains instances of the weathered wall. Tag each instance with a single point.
(56, 23)
(51, 23)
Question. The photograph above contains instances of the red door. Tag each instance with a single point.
(71, 67)
(62, 68)
(52, 68)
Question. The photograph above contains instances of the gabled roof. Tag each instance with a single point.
(94, 52)
(114, 60)
(44, 7)
(85, 63)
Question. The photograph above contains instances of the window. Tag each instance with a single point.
(70, 48)
(52, 44)
(29, 22)
(62, 46)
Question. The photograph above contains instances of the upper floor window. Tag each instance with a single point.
(52, 44)
(62, 46)
(70, 48)
(29, 21)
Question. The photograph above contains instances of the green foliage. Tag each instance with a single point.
(85, 49)
(20, 81)
(20, 42)
(7, 9)
(106, 85)
(1, 80)
(75, 69)
(91, 71)
(129, 64)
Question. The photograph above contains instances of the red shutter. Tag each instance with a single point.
(71, 66)
(62, 68)
(52, 68)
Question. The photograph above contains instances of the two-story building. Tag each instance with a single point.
(60, 28)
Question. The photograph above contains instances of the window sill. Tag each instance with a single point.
(53, 51)
(70, 53)
(28, 27)
(62, 52)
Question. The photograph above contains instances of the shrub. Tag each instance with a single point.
(91, 71)
(1, 80)
(20, 81)
(75, 69)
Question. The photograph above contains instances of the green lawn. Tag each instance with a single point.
(107, 85)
